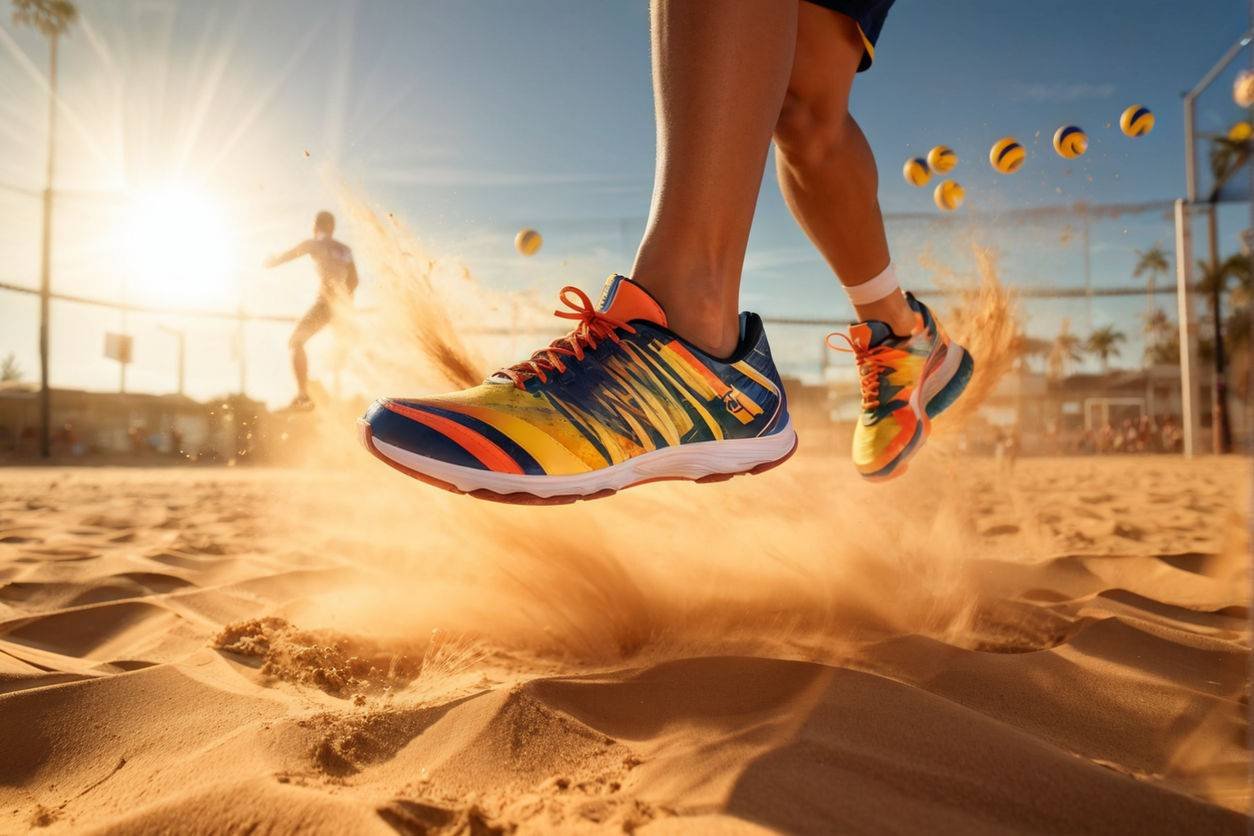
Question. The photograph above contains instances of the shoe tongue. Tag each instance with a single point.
(870, 333)
(624, 300)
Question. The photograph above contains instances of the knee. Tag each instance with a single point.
(296, 342)
(812, 130)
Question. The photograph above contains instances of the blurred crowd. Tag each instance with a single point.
(1150, 434)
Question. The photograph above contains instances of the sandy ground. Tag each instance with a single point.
(1061, 648)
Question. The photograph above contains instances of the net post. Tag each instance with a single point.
(1190, 412)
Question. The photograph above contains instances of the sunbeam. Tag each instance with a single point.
(267, 95)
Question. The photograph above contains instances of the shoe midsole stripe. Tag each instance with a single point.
(685, 461)
(479, 446)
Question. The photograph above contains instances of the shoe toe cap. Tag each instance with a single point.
(398, 426)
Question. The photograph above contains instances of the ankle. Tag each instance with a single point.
(709, 331)
(893, 310)
(697, 306)
(880, 298)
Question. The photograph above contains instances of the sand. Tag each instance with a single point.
(1061, 648)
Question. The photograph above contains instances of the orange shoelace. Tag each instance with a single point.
(593, 326)
(871, 362)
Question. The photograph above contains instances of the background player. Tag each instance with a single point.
(337, 280)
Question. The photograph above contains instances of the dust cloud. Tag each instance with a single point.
(803, 562)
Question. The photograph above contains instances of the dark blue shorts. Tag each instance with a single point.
(869, 15)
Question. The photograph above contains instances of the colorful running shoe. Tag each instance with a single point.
(618, 401)
(906, 382)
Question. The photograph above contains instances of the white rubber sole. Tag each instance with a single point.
(701, 460)
(940, 378)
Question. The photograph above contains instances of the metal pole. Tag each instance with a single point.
(243, 350)
(1189, 413)
(181, 336)
(1221, 435)
(1190, 155)
(1088, 275)
(1190, 120)
(45, 265)
(122, 363)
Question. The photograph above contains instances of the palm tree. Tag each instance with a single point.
(1027, 348)
(1162, 348)
(1151, 264)
(1237, 326)
(9, 369)
(1227, 155)
(1214, 283)
(1159, 331)
(1064, 351)
(52, 18)
(1104, 342)
(1218, 277)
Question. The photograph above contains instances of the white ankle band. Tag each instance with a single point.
(880, 287)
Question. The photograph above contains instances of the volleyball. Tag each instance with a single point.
(915, 171)
(1240, 132)
(948, 195)
(1136, 121)
(528, 241)
(942, 159)
(1243, 88)
(1007, 155)
(1070, 142)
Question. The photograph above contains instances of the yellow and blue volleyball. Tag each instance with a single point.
(915, 171)
(1070, 142)
(1136, 121)
(528, 241)
(1007, 155)
(942, 159)
(1243, 89)
(948, 195)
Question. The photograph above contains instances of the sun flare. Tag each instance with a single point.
(179, 245)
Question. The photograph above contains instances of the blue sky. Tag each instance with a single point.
(470, 120)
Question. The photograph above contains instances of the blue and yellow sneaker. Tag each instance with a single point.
(618, 401)
(905, 382)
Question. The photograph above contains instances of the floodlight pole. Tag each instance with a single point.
(45, 260)
(1190, 412)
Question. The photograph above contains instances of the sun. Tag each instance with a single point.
(179, 246)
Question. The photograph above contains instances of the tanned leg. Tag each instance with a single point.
(300, 365)
(825, 166)
(720, 71)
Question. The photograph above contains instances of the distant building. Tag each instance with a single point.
(813, 409)
(112, 424)
(1059, 411)
(1042, 416)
